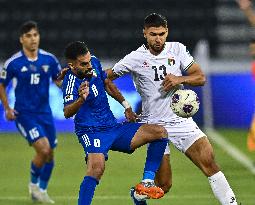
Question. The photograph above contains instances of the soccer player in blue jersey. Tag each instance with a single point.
(33, 68)
(84, 87)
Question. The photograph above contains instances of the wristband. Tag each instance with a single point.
(125, 104)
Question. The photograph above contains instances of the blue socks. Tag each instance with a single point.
(155, 153)
(41, 175)
(35, 173)
(45, 175)
(87, 190)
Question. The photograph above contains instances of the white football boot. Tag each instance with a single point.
(34, 191)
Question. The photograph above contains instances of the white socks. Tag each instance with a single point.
(221, 189)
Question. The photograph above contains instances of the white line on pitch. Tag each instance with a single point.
(231, 149)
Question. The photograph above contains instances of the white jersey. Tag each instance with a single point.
(148, 72)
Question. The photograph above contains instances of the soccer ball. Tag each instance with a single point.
(185, 103)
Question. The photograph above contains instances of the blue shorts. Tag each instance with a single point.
(35, 126)
(117, 138)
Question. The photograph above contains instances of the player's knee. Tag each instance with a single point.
(160, 132)
(45, 153)
(96, 170)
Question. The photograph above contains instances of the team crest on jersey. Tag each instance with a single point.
(145, 65)
(45, 68)
(171, 61)
(3, 74)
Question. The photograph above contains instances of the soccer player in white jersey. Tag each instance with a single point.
(157, 68)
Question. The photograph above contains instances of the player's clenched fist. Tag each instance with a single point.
(84, 90)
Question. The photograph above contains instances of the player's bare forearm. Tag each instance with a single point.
(10, 113)
(195, 76)
(72, 108)
(3, 97)
(113, 91)
(110, 74)
(193, 80)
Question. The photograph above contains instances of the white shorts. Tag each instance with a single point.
(182, 134)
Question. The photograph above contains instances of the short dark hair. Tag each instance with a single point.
(27, 26)
(155, 20)
(75, 49)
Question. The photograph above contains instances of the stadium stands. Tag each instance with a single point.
(111, 28)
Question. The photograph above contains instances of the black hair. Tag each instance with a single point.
(75, 49)
(155, 20)
(27, 26)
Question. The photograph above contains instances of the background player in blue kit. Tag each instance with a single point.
(84, 91)
(33, 68)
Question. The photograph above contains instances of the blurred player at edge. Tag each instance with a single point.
(33, 68)
(246, 7)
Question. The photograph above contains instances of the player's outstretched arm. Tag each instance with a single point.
(72, 108)
(9, 112)
(195, 77)
(114, 92)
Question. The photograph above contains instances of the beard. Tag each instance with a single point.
(80, 74)
(157, 49)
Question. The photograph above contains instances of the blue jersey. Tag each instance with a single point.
(95, 113)
(33, 79)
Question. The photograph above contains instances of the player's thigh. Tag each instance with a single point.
(183, 134)
(29, 128)
(201, 154)
(50, 133)
(125, 134)
(42, 146)
(148, 133)
(96, 142)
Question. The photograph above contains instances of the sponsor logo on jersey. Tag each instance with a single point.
(171, 61)
(145, 65)
(45, 68)
(3, 74)
(68, 98)
(24, 69)
(187, 51)
(94, 73)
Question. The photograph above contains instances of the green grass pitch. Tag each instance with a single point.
(190, 186)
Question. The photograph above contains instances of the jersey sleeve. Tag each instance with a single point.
(186, 59)
(70, 89)
(6, 73)
(124, 66)
(55, 67)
